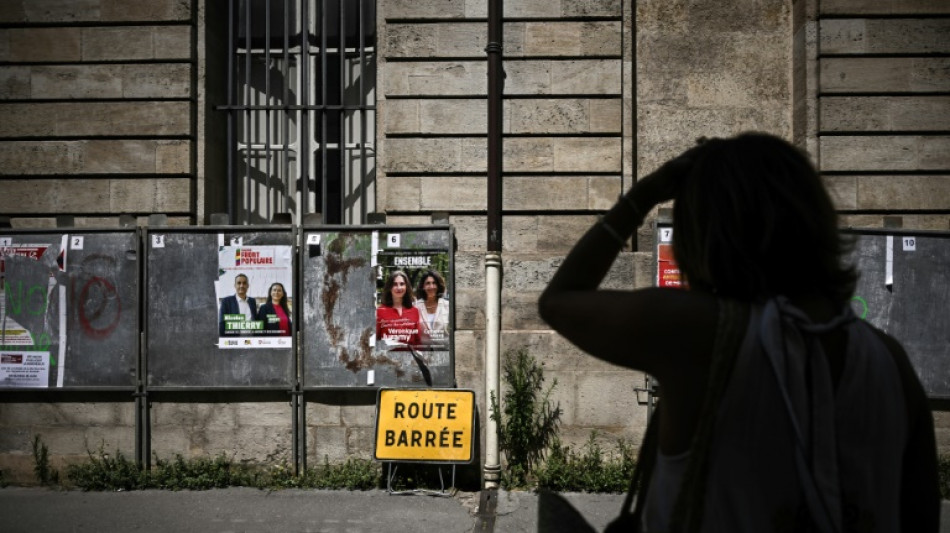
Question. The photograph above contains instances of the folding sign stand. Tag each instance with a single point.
(391, 474)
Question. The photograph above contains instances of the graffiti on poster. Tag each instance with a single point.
(32, 312)
(255, 296)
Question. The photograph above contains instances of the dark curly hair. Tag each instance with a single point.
(752, 219)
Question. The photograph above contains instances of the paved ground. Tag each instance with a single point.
(250, 510)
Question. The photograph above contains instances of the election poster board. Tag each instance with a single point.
(425, 425)
(68, 309)
(367, 318)
(903, 289)
(219, 307)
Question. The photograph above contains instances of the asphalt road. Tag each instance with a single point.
(36, 510)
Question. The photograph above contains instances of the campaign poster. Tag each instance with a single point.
(24, 369)
(255, 296)
(412, 299)
(32, 312)
(667, 271)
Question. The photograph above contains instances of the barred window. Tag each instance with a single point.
(301, 109)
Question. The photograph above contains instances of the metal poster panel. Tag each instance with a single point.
(69, 309)
(220, 304)
(377, 307)
(903, 290)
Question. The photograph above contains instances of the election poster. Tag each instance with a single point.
(255, 295)
(32, 312)
(412, 298)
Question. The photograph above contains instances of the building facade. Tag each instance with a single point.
(113, 111)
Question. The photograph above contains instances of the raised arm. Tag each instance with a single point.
(637, 329)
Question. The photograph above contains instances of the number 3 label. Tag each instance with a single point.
(158, 241)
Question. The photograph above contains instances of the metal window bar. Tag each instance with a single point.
(312, 155)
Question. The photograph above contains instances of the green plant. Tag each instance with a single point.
(530, 421)
(105, 472)
(589, 470)
(45, 474)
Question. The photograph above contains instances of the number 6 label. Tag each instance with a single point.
(392, 240)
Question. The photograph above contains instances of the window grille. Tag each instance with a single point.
(301, 111)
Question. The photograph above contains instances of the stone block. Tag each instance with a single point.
(95, 119)
(549, 116)
(125, 157)
(528, 154)
(469, 350)
(563, 394)
(559, 233)
(324, 414)
(470, 232)
(453, 193)
(409, 40)
(79, 81)
(519, 233)
(519, 310)
(261, 414)
(581, 154)
(39, 157)
(417, 9)
(469, 270)
(606, 116)
(327, 443)
(914, 113)
(884, 36)
(40, 11)
(551, 350)
(606, 399)
(172, 42)
(403, 193)
(888, 152)
(843, 191)
(603, 191)
(38, 45)
(156, 81)
(361, 442)
(885, 74)
(358, 415)
(900, 193)
(156, 10)
(453, 116)
(422, 155)
(402, 116)
(436, 78)
(470, 309)
(14, 82)
(151, 195)
(173, 157)
(545, 192)
(117, 43)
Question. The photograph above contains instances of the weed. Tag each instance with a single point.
(45, 474)
(530, 421)
(589, 470)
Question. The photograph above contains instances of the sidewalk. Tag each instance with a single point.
(251, 510)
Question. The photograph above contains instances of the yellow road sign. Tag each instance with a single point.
(430, 425)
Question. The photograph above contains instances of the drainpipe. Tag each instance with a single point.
(493, 274)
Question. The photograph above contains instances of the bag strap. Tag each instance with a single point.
(730, 331)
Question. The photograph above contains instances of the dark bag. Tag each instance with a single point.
(687, 512)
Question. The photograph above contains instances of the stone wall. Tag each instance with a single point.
(105, 108)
